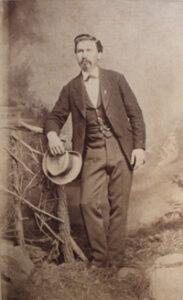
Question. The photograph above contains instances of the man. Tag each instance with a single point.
(109, 132)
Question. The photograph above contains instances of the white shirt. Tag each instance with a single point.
(92, 85)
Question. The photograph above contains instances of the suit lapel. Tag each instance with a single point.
(79, 94)
(104, 88)
(79, 91)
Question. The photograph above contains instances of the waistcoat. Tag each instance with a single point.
(97, 124)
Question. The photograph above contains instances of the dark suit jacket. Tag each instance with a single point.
(121, 108)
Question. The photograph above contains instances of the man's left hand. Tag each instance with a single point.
(138, 158)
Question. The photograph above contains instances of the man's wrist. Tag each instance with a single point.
(51, 135)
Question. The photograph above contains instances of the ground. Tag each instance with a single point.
(54, 281)
(156, 220)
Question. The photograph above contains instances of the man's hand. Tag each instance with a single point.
(138, 158)
(56, 146)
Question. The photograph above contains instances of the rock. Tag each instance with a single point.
(15, 266)
(166, 277)
(169, 260)
(125, 272)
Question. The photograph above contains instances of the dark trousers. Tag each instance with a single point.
(105, 188)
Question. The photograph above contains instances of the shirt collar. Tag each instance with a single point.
(94, 73)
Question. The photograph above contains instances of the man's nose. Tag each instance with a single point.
(84, 54)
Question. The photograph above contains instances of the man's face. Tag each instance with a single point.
(87, 55)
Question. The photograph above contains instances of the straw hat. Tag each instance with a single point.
(62, 169)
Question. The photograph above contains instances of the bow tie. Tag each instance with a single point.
(90, 76)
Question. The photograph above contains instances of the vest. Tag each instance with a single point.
(97, 124)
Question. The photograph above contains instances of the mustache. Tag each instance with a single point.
(84, 60)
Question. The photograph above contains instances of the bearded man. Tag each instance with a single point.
(109, 133)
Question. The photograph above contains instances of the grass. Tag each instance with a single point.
(51, 281)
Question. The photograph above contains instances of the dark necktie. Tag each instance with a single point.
(90, 76)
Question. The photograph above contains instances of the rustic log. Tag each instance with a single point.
(17, 201)
(74, 245)
(64, 228)
(64, 237)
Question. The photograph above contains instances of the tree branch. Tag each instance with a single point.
(78, 250)
(75, 247)
(30, 204)
(33, 128)
(49, 228)
(25, 144)
(18, 160)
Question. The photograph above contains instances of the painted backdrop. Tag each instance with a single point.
(142, 39)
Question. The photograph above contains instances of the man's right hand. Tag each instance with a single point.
(56, 146)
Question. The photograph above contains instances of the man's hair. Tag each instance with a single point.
(85, 37)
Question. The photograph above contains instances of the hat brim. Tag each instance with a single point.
(71, 175)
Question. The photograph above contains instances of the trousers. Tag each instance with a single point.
(105, 188)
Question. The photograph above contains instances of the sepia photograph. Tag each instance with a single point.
(91, 143)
